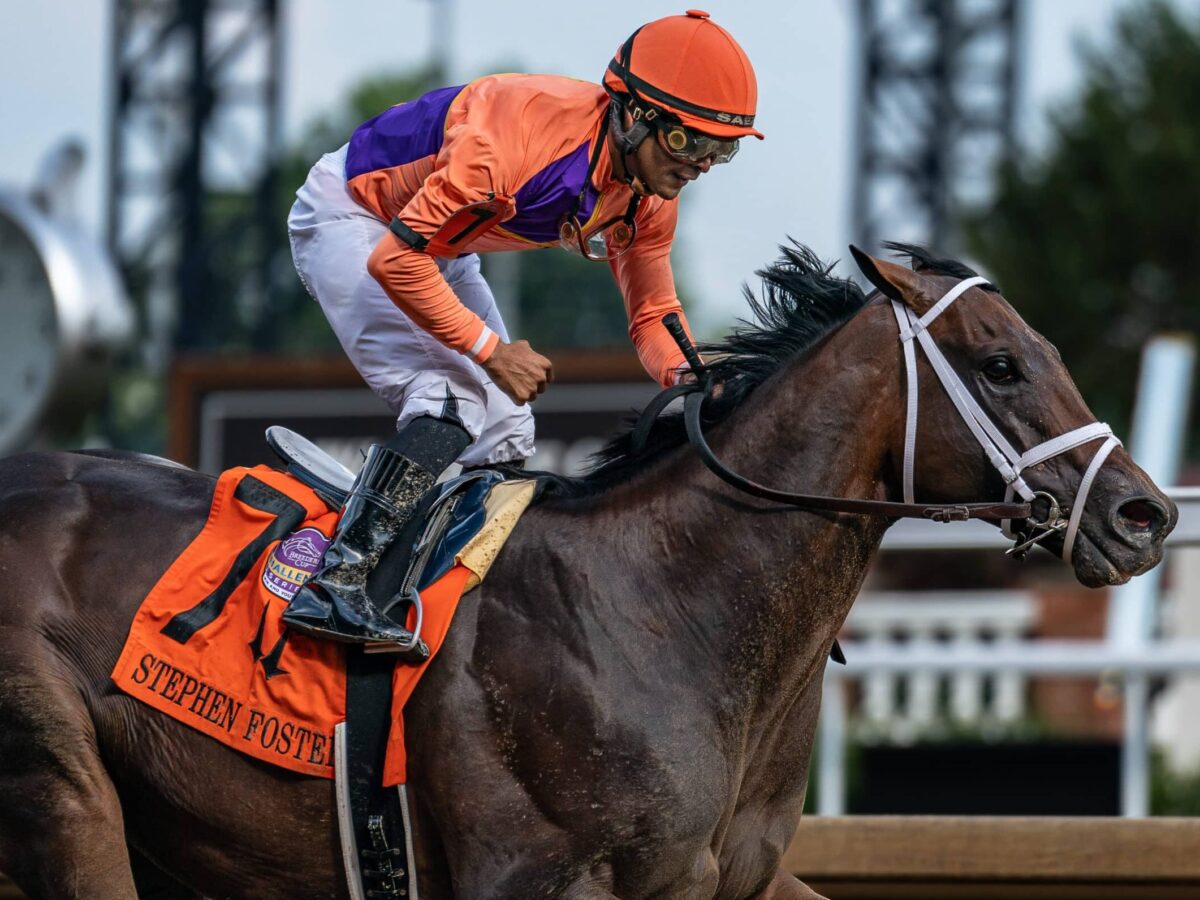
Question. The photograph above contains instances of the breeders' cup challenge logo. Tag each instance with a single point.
(293, 561)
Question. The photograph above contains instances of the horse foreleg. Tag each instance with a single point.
(788, 887)
(61, 830)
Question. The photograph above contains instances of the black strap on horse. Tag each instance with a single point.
(379, 823)
(695, 395)
(381, 841)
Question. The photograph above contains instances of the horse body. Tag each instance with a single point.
(697, 629)
(626, 707)
(75, 744)
(595, 698)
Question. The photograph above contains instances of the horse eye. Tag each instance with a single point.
(1000, 370)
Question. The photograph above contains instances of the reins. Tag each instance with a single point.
(938, 512)
(1007, 461)
(695, 394)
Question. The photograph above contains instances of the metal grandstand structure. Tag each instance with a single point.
(194, 141)
(936, 113)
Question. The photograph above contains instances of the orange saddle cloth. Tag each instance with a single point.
(207, 647)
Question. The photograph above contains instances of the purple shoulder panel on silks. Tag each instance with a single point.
(400, 135)
(550, 194)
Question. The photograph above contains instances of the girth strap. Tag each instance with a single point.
(378, 847)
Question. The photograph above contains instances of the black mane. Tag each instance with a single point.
(800, 302)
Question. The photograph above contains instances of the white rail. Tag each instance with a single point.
(1062, 658)
(905, 701)
(1134, 664)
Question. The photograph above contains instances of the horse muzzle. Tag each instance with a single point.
(1123, 535)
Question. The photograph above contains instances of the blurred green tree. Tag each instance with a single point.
(1097, 239)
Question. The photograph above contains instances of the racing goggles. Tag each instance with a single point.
(694, 147)
(606, 242)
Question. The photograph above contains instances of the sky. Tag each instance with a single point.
(54, 84)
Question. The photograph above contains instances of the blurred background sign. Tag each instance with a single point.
(219, 410)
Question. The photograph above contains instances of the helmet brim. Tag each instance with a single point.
(717, 129)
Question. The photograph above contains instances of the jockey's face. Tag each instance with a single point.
(662, 174)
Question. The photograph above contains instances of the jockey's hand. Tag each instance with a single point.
(687, 376)
(519, 371)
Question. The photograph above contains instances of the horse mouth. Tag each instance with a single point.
(1098, 565)
(1130, 542)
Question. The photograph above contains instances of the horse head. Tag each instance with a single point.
(1018, 424)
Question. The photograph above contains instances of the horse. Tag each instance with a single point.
(626, 706)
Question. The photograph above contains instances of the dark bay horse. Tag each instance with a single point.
(625, 708)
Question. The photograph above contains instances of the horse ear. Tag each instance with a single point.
(894, 281)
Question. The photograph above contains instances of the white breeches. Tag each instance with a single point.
(332, 237)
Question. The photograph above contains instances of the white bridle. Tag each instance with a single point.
(1006, 460)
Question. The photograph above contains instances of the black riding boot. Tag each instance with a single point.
(334, 603)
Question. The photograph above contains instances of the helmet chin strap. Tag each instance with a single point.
(628, 140)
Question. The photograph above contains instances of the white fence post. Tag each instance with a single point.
(1009, 700)
(831, 739)
(966, 688)
(1159, 427)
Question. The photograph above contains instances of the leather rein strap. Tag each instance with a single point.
(696, 393)
(938, 512)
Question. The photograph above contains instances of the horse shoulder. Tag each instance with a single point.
(575, 721)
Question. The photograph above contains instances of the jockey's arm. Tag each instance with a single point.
(467, 171)
(648, 285)
(414, 283)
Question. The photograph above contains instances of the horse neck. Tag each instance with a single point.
(748, 577)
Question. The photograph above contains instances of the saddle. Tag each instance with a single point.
(311, 465)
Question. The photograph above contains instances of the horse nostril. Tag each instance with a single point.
(1142, 515)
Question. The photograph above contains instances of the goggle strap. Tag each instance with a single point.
(624, 58)
(627, 140)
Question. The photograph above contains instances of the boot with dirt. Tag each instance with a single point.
(334, 603)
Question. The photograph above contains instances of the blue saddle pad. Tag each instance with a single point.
(467, 493)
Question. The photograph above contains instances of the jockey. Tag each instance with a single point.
(385, 235)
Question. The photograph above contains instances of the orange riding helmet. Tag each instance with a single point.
(691, 68)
